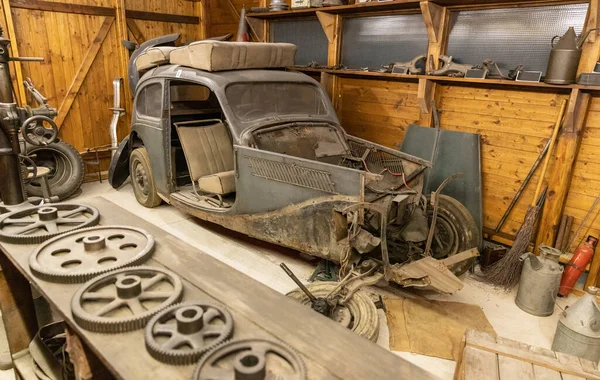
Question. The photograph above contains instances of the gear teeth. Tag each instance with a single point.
(177, 357)
(38, 239)
(295, 357)
(77, 278)
(107, 325)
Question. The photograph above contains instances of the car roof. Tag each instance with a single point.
(223, 78)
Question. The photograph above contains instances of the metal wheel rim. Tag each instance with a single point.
(255, 347)
(67, 249)
(450, 233)
(99, 322)
(140, 178)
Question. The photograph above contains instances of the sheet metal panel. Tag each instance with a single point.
(380, 40)
(308, 35)
(450, 152)
(512, 36)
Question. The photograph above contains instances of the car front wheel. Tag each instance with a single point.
(142, 179)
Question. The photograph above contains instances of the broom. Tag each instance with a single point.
(506, 272)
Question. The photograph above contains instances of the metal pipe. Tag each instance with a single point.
(288, 271)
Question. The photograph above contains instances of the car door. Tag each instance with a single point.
(150, 124)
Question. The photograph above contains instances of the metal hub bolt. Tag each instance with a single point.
(48, 213)
(129, 286)
(249, 366)
(94, 243)
(189, 319)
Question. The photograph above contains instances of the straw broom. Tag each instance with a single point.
(506, 272)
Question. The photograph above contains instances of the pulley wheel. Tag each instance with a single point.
(359, 314)
(182, 333)
(34, 225)
(80, 255)
(125, 299)
(251, 359)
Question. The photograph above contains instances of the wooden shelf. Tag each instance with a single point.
(489, 82)
(402, 5)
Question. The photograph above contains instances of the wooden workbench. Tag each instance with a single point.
(329, 350)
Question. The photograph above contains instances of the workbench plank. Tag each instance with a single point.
(329, 350)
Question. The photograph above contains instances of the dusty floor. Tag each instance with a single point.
(261, 262)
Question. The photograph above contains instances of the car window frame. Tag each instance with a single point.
(141, 115)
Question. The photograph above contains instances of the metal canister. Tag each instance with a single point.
(578, 330)
(564, 57)
(539, 282)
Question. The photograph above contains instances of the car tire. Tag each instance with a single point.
(66, 169)
(455, 219)
(142, 179)
(365, 320)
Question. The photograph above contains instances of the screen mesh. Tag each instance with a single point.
(308, 35)
(511, 36)
(380, 40)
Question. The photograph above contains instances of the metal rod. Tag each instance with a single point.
(287, 271)
(523, 186)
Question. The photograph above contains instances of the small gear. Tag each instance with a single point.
(251, 359)
(125, 299)
(182, 333)
(37, 224)
(80, 255)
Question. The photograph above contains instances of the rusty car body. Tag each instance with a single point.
(262, 152)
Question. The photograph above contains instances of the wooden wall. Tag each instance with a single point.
(80, 41)
(223, 15)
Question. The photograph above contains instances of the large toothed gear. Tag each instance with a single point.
(251, 359)
(37, 224)
(80, 255)
(125, 299)
(182, 333)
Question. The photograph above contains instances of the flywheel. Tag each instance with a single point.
(359, 314)
(125, 299)
(252, 359)
(182, 333)
(36, 224)
(80, 255)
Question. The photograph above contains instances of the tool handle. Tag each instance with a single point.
(288, 271)
(538, 190)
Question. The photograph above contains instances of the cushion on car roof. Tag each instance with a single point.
(220, 56)
(153, 57)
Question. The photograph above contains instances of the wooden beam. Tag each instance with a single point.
(135, 31)
(591, 47)
(84, 69)
(564, 159)
(437, 20)
(122, 34)
(257, 28)
(162, 17)
(433, 16)
(328, 23)
(14, 52)
(51, 6)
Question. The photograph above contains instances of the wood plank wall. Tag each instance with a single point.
(82, 55)
(222, 19)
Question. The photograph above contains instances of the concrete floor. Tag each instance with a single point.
(261, 262)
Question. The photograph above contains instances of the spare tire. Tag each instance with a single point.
(66, 169)
(456, 231)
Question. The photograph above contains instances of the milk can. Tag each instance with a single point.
(539, 282)
(578, 330)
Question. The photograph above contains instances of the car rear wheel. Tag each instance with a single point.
(456, 231)
(142, 179)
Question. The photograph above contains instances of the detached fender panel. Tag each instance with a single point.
(119, 165)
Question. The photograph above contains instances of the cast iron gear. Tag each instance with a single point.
(125, 299)
(251, 359)
(36, 224)
(80, 255)
(182, 333)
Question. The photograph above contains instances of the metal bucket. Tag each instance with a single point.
(578, 330)
(539, 282)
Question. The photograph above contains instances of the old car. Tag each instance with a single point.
(262, 152)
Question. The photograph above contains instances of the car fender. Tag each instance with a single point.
(119, 165)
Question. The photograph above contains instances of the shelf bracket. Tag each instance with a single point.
(328, 23)
(433, 16)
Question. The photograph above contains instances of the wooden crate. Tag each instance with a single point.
(484, 357)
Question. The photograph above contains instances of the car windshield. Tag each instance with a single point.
(255, 101)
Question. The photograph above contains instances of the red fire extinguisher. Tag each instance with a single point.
(576, 266)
